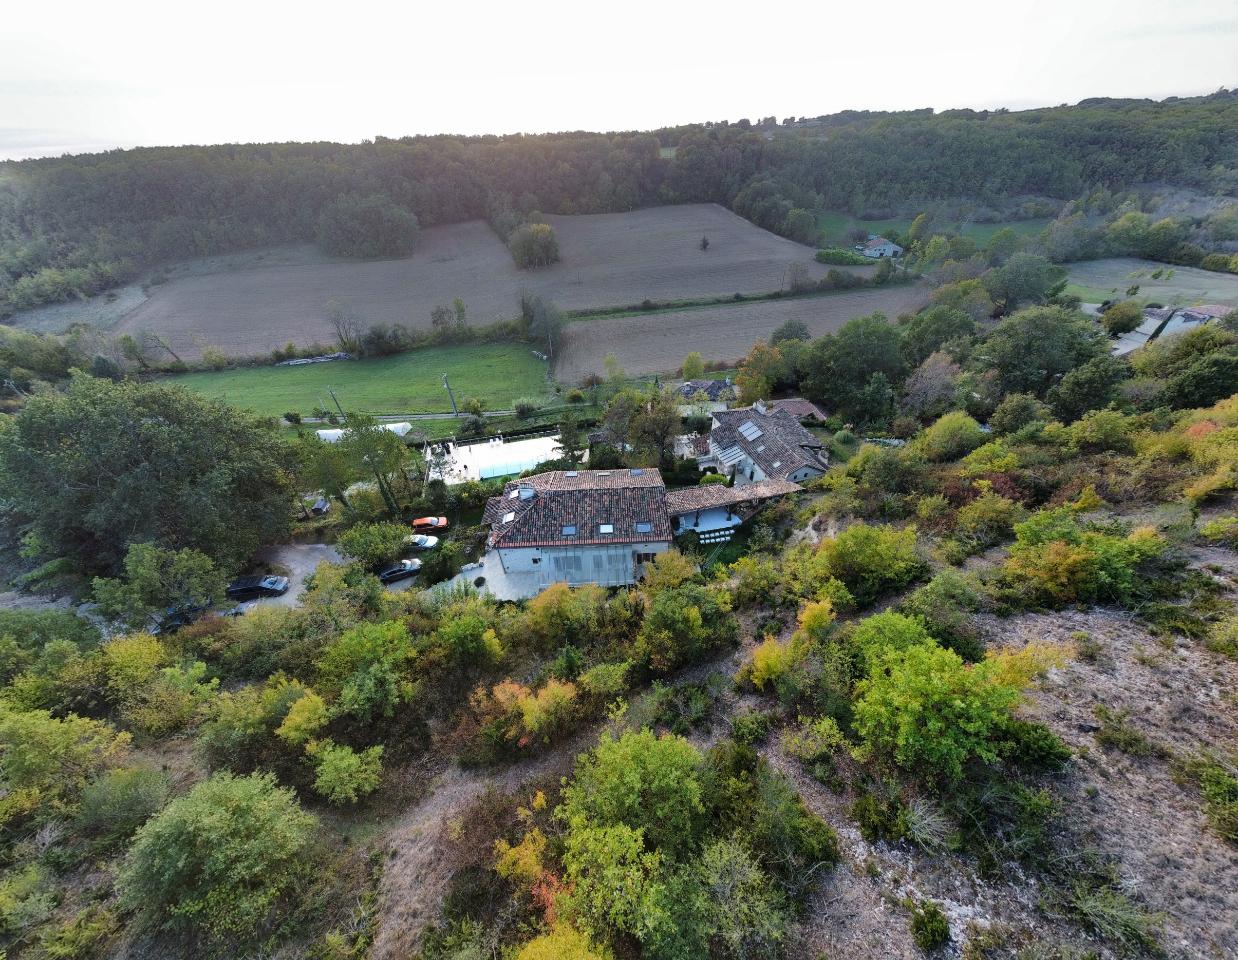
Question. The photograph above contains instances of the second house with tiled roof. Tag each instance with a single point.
(762, 443)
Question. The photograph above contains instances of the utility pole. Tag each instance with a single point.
(343, 415)
(454, 409)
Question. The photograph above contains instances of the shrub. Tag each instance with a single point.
(1223, 530)
(842, 257)
(1219, 784)
(344, 775)
(751, 727)
(929, 927)
(929, 712)
(526, 407)
(117, 803)
(1223, 637)
(953, 435)
(563, 942)
(745, 912)
(987, 520)
(773, 660)
(945, 606)
(873, 560)
(1016, 411)
(219, 857)
(887, 632)
(879, 816)
(641, 782)
(373, 544)
(682, 624)
(81, 937)
(1122, 317)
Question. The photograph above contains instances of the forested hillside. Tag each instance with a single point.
(77, 225)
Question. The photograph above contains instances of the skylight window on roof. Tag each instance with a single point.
(760, 448)
(513, 493)
(569, 530)
(644, 526)
(777, 463)
(606, 528)
(603, 473)
(572, 473)
(749, 430)
(509, 516)
(637, 472)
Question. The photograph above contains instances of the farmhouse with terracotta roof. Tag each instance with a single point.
(602, 526)
(757, 443)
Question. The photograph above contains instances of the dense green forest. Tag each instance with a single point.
(77, 225)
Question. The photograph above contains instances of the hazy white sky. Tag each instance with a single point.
(78, 76)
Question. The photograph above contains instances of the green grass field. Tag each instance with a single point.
(838, 225)
(499, 374)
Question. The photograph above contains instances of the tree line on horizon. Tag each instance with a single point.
(77, 225)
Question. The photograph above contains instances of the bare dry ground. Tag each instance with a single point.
(608, 260)
(658, 342)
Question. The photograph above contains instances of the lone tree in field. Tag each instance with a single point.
(534, 245)
(693, 366)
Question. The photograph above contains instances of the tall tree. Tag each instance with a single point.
(104, 465)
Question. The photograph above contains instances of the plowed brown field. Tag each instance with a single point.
(607, 260)
(658, 342)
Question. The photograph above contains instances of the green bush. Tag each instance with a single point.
(946, 605)
(872, 560)
(643, 782)
(842, 257)
(220, 857)
(953, 435)
(534, 245)
(886, 632)
(374, 544)
(929, 927)
(931, 713)
(344, 775)
(120, 801)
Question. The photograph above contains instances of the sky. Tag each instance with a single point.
(86, 76)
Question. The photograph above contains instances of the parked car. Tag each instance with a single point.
(173, 618)
(430, 523)
(421, 541)
(401, 571)
(321, 506)
(250, 588)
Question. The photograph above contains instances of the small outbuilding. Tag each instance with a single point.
(878, 248)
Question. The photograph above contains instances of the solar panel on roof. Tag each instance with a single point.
(749, 430)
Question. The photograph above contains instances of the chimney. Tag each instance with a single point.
(759, 407)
